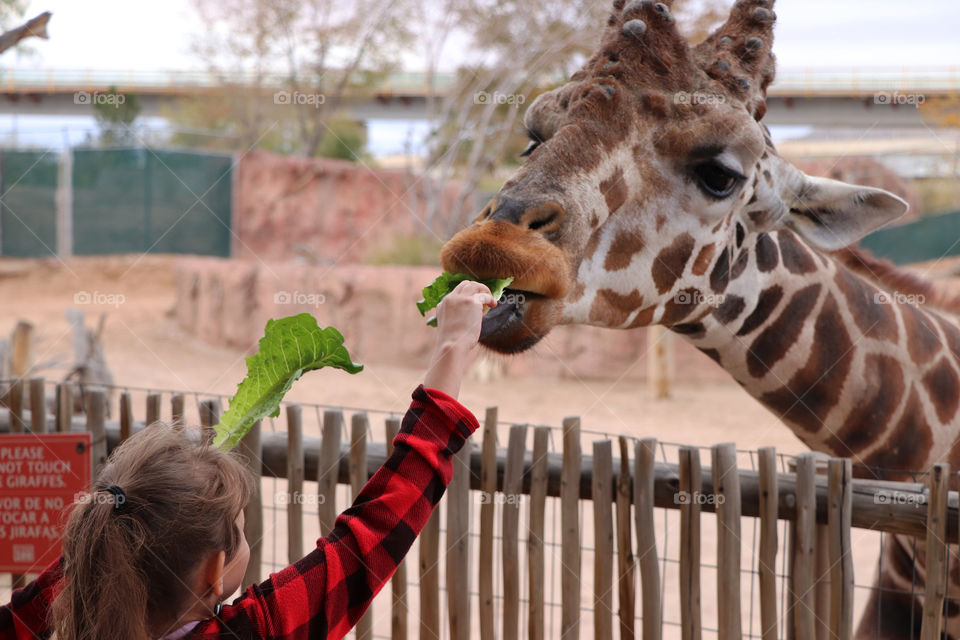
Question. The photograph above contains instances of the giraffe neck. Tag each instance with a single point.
(853, 371)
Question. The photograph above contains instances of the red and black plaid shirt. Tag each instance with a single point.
(325, 593)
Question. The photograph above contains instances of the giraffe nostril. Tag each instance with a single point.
(543, 218)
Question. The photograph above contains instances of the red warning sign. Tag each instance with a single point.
(42, 476)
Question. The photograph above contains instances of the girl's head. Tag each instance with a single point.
(166, 555)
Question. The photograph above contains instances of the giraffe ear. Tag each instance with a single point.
(832, 215)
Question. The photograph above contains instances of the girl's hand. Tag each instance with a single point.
(458, 318)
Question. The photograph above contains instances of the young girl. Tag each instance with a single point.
(163, 545)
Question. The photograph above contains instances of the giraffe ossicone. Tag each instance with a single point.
(653, 194)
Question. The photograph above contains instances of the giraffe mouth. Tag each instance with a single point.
(542, 277)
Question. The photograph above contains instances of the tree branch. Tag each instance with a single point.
(36, 27)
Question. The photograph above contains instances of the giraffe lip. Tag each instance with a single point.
(501, 317)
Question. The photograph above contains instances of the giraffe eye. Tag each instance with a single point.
(716, 180)
(530, 148)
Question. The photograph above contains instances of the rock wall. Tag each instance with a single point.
(227, 302)
(333, 211)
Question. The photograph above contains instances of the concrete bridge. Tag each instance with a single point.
(875, 98)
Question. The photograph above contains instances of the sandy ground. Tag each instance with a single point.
(145, 349)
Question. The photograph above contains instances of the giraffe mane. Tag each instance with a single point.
(892, 279)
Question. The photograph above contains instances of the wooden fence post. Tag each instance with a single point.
(430, 577)
(645, 455)
(804, 559)
(328, 469)
(398, 584)
(488, 488)
(458, 546)
(251, 448)
(38, 405)
(153, 408)
(839, 508)
(601, 496)
(536, 627)
(64, 409)
(767, 563)
(512, 490)
(126, 415)
(659, 356)
(726, 488)
(690, 489)
(936, 579)
(570, 535)
(209, 417)
(96, 425)
(15, 404)
(22, 349)
(294, 482)
(625, 563)
(359, 425)
(177, 409)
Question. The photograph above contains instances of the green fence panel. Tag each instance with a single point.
(28, 203)
(144, 200)
(929, 238)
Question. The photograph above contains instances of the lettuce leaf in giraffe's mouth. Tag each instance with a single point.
(446, 282)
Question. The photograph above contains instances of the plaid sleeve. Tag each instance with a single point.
(27, 616)
(324, 594)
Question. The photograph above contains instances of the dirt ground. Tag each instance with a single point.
(144, 348)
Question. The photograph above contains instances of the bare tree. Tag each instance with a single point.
(308, 54)
(35, 27)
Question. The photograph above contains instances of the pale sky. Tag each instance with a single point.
(842, 34)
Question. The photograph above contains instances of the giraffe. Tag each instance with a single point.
(652, 194)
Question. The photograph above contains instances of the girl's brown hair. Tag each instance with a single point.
(127, 570)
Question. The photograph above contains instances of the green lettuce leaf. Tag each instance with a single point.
(289, 348)
(437, 290)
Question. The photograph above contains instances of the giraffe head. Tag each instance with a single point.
(647, 172)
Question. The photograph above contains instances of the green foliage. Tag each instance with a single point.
(345, 139)
(289, 348)
(446, 282)
(115, 113)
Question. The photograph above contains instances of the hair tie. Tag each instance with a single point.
(119, 496)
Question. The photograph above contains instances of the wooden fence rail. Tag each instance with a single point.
(821, 509)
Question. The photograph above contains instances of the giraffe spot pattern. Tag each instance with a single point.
(730, 309)
(612, 309)
(923, 341)
(867, 421)
(768, 256)
(720, 276)
(908, 445)
(943, 388)
(702, 262)
(614, 190)
(680, 306)
(766, 303)
(795, 257)
(815, 389)
(876, 321)
(713, 354)
(625, 245)
(773, 342)
(671, 262)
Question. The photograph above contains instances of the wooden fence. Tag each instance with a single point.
(625, 486)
